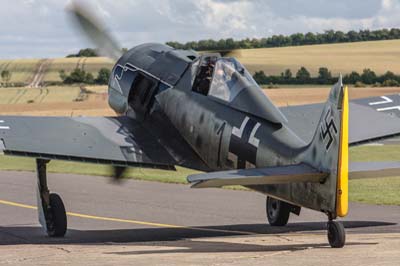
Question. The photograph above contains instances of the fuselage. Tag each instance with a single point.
(220, 112)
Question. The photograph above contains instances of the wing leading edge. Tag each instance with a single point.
(118, 141)
(258, 176)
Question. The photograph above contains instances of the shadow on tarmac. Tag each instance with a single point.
(18, 235)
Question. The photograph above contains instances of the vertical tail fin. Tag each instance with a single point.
(328, 150)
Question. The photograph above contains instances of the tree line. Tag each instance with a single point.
(81, 76)
(303, 76)
(329, 36)
(89, 52)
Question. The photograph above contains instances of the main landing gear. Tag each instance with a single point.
(278, 211)
(278, 215)
(52, 215)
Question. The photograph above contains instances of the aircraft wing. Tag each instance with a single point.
(359, 170)
(258, 176)
(288, 174)
(370, 119)
(119, 141)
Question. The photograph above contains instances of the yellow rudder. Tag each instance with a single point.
(342, 197)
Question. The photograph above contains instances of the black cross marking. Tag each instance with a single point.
(241, 147)
(329, 125)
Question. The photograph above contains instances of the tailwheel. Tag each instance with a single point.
(336, 234)
(277, 212)
(57, 217)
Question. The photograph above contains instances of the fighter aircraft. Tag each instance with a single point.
(206, 112)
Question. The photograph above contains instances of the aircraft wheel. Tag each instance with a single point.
(57, 227)
(336, 234)
(277, 212)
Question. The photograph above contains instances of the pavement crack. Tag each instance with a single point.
(288, 239)
(62, 249)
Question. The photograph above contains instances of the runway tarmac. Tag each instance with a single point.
(148, 223)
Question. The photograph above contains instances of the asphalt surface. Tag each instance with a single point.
(173, 224)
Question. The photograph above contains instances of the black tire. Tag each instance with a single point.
(277, 212)
(336, 234)
(57, 227)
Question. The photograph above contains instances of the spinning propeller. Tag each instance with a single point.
(96, 32)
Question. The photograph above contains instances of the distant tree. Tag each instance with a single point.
(88, 52)
(390, 83)
(89, 79)
(310, 38)
(394, 33)
(352, 78)
(324, 75)
(287, 74)
(221, 44)
(329, 36)
(260, 77)
(303, 76)
(286, 77)
(353, 36)
(230, 43)
(103, 76)
(63, 75)
(297, 39)
(368, 76)
(340, 37)
(389, 76)
(76, 76)
(6, 76)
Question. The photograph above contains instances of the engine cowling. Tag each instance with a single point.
(144, 71)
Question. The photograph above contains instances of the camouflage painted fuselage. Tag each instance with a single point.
(243, 132)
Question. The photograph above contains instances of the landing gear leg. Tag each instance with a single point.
(52, 215)
(336, 234)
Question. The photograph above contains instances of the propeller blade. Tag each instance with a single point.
(118, 173)
(94, 30)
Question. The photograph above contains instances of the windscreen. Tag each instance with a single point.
(229, 78)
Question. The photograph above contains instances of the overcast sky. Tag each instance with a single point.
(40, 28)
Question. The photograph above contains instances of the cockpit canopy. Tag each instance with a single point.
(225, 80)
(229, 79)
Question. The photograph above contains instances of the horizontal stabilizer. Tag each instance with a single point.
(373, 169)
(258, 176)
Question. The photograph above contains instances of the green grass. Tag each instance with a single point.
(8, 163)
(377, 190)
(372, 153)
(374, 191)
(382, 191)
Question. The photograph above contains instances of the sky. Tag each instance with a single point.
(42, 29)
